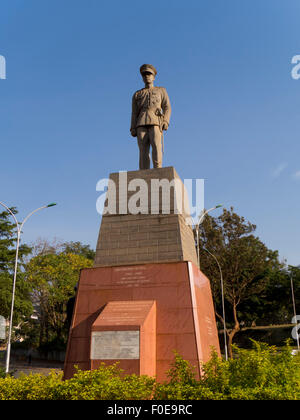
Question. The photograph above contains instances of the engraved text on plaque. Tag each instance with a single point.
(108, 345)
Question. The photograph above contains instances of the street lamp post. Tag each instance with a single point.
(19, 231)
(201, 218)
(294, 309)
(223, 302)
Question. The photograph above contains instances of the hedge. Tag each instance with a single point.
(262, 373)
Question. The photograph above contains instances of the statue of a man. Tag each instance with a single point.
(151, 111)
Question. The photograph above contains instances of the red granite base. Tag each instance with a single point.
(185, 318)
(126, 317)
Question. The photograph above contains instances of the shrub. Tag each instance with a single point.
(101, 384)
(2, 372)
(107, 383)
(262, 373)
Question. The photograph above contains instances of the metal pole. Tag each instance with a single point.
(14, 288)
(197, 229)
(19, 230)
(197, 236)
(294, 308)
(223, 302)
(12, 306)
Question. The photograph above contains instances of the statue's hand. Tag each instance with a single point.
(133, 132)
(165, 126)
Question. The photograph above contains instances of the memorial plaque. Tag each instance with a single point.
(107, 345)
(2, 328)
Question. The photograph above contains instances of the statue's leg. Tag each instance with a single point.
(155, 141)
(144, 147)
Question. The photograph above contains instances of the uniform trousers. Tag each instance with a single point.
(149, 135)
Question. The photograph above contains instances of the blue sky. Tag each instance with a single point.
(72, 67)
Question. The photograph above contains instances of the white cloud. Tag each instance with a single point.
(279, 169)
(296, 175)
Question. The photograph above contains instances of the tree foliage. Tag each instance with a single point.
(52, 278)
(47, 274)
(8, 238)
(247, 264)
(79, 249)
(44, 247)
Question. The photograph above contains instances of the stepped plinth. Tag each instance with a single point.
(145, 296)
(158, 233)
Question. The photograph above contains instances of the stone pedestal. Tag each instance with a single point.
(145, 297)
(158, 233)
(185, 319)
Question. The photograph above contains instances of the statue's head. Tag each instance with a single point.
(148, 73)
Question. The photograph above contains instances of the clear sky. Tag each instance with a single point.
(72, 67)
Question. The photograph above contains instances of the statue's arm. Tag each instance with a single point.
(134, 113)
(166, 107)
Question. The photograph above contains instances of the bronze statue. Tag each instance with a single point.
(151, 111)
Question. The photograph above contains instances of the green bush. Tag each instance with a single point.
(101, 384)
(262, 373)
(2, 372)
(107, 383)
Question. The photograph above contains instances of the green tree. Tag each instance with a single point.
(79, 249)
(44, 246)
(247, 264)
(274, 305)
(52, 278)
(23, 306)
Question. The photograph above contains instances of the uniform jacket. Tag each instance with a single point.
(146, 103)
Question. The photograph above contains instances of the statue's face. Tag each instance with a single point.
(148, 77)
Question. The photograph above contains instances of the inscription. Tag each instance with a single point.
(108, 345)
(209, 325)
(130, 276)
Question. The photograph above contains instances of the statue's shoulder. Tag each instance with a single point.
(143, 91)
(138, 92)
(160, 89)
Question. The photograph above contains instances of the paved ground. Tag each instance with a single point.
(36, 366)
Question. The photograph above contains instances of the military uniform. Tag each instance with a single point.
(151, 110)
